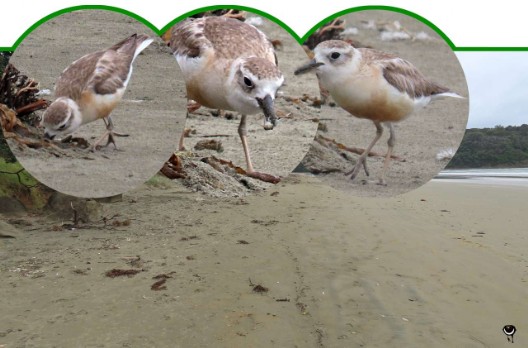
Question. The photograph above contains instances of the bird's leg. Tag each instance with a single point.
(242, 131)
(109, 133)
(192, 106)
(367, 173)
(390, 143)
(181, 146)
(362, 160)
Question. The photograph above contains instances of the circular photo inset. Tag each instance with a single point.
(104, 86)
(244, 130)
(392, 102)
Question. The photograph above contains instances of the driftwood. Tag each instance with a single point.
(32, 107)
(19, 92)
(329, 31)
(11, 123)
(355, 150)
(18, 102)
(230, 13)
(173, 168)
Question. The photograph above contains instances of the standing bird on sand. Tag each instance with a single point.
(373, 85)
(91, 87)
(230, 65)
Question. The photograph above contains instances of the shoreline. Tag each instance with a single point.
(501, 177)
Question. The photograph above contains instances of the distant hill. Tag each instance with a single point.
(499, 147)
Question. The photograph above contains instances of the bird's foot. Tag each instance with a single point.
(264, 177)
(355, 171)
(381, 182)
(365, 167)
(110, 134)
(362, 163)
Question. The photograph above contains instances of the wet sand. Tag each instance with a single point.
(442, 266)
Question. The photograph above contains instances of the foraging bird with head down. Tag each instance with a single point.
(91, 87)
(373, 85)
(231, 65)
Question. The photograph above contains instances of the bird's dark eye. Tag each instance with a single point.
(62, 127)
(335, 55)
(248, 82)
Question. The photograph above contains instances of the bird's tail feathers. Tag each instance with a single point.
(447, 95)
(144, 44)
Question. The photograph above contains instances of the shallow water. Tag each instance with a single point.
(493, 176)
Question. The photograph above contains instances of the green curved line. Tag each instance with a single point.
(386, 8)
(77, 8)
(263, 14)
(235, 7)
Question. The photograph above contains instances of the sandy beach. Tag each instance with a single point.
(300, 265)
(296, 264)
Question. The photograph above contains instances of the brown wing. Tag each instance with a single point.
(103, 71)
(404, 76)
(228, 37)
(74, 79)
(110, 72)
(113, 67)
(187, 38)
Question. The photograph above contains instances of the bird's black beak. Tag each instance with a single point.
(48, 136)
(308, 67)
(266, 104)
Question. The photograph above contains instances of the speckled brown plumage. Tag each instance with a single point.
(406, 78)
(192, 37)
(104, 71)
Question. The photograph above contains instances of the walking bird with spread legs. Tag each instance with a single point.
(373, 85)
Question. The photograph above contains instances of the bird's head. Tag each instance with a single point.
(61, 118)
(332, 58)
(254, 83)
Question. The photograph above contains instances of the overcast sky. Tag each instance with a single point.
(498, 88)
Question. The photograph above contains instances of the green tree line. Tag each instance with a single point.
(497, 147)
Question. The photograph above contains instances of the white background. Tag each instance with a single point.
(466, 23)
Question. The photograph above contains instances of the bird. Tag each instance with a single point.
(230, 65)
(509, 331)
(91, 87)
(374, 85)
